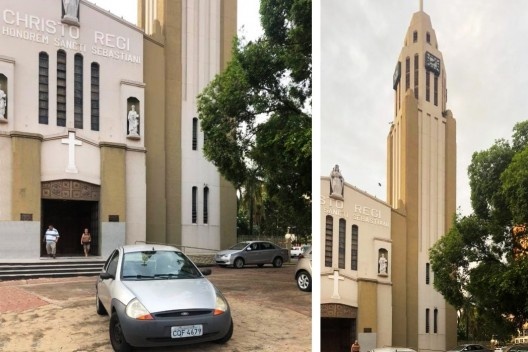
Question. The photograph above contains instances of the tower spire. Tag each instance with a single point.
(421, 5)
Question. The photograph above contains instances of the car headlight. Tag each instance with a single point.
(136, 310)
(221, 305)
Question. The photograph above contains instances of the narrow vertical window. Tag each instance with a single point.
(428, 37)
(328, 240)
(435, 321)
(195, 134)
(427, 86)
(407, 74)
(342, 243)
(427, 320)
(416, 70)
(94, 96)
(427, 269)
(61, 88)
(43, 88)
(206, 205)
(354, 248)
(78, 91)
(435, 90)
(415, 36)
(194, 205)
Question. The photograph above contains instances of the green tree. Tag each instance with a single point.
(474, 266)
(256, 114)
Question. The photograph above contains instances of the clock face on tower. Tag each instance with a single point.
(432, 63)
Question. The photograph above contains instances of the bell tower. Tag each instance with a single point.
(421, 174)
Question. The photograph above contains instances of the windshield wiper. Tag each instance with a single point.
(138, 276)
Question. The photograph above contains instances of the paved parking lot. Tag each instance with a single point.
(269, 312)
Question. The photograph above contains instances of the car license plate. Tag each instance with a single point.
(178, 332)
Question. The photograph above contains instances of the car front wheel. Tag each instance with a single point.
(117, 338)
(304, 281)
(277, 262)
(239, 263)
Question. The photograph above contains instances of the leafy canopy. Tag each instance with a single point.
(256, 114)
(474, 265)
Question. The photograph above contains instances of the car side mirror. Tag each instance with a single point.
(205, 272)
(105, 276)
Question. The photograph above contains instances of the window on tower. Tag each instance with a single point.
(415, 36)
(428, 37)
(194, 133)
(427, 86)
(194, 205)
(435, 321)
(427, 321)
(435, 90)
(416, 65)
(407, 73)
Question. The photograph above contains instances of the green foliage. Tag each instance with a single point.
(256, 118)
(473, 263)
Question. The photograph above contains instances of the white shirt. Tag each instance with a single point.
(52, 235)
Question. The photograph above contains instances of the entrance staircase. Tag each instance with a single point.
(50, 268)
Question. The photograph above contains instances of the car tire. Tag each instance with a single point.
(227, 336)
(239, 263)
(277, 262)
(304, 281)
(117, 338)
(99, 306)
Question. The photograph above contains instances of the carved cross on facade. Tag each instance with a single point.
(72, 142)
(335, 276)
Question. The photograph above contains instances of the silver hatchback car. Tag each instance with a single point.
(156, 296)
(253, 253)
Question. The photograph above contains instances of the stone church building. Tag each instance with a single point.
(376, 279)
(99, 128)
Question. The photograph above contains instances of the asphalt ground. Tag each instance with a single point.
(269, 312)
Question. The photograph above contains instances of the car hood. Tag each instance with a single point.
(228, 251)
(166, 295)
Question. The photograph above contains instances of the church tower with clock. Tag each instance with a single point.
(421, 179)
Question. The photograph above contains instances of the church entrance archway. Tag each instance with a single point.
(338, 327)
(71, 206)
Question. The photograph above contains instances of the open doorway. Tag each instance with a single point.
(70, 218)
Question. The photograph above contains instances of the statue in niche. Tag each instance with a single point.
(3, 103)
(71, 9)
(336, 182)
(382, 264)
(133, 122)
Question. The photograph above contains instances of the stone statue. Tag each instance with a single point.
(336, 182)
(3, 103)
(133, 121)
(71, 9)
(382, 262)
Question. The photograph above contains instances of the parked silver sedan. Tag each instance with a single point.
(253, 253)
(156, 296)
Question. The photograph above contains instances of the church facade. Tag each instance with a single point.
(421, 202)
(99, 128)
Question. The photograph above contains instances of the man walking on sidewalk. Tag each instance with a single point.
(51, 237)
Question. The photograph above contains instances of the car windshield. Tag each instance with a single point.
(158, 265)
(240, 245)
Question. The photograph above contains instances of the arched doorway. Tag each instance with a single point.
(338, 327)
(71, 206)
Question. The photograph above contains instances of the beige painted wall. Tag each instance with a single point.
(113, 181)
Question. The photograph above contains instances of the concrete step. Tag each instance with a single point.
(13, 270)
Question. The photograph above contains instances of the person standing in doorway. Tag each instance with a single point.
(52, 237)
(86, 240)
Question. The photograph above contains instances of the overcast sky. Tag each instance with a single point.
(484, 49)
(248, 16)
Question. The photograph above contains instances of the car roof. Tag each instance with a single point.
(147, 247)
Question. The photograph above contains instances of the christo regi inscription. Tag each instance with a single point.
(336, 207)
